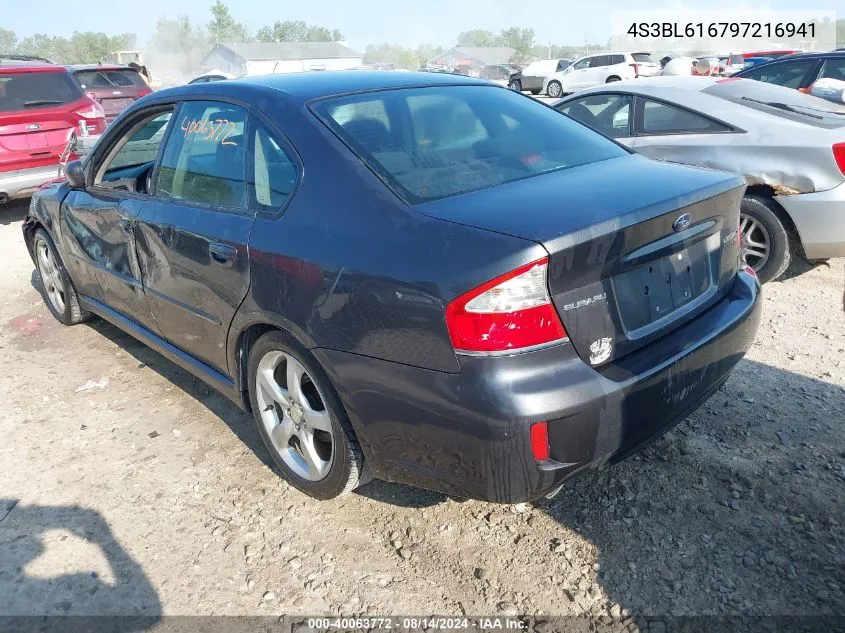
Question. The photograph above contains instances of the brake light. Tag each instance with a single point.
(92, 111)
(512, 312)
(540, 441)
(839, 156)
(636, 68)
(143, 92)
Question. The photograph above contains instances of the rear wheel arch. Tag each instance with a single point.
(768, 192)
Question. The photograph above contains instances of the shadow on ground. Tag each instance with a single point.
(738, 510)
(65, 561)
(14, 212)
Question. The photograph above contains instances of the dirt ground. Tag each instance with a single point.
(129, 487)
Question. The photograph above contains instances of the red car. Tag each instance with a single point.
(42, 111)
(115, 88)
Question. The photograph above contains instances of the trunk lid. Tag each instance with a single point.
(637, 247)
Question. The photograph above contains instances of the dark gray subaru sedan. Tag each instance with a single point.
(419, 277)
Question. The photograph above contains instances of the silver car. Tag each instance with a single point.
(788, 145)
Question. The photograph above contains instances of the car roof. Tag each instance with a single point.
(77, 67)
(305, 86)
(27, 65)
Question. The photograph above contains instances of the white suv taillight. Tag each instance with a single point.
(510, 313)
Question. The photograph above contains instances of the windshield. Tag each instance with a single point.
(33, 90)
(779, 101)
(109, 79)
(431, 143)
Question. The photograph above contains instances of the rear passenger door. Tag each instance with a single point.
(192, 242)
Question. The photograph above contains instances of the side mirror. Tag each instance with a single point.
(75, 175)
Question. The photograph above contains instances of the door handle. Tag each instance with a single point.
(222, 254)
(125, 226)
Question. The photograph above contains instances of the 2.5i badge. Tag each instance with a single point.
(600, 350)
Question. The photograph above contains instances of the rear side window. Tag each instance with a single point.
(443, 141)
(30, 91)
(834, 68)
(661, 118)
(736, 60)
(644, 58)
(273, 173)
(204, 159)
(617, 59)
(109, 79)
(788, 74)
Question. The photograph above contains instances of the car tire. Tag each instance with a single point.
(515, 85)
(535, 92)
(764, 239)
(303, 424)
(554, 89)
(612, 78)
(56, 287)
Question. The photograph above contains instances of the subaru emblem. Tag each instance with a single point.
(33, 126)
(682, 222)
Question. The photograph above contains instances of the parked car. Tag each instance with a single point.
(497, 72)
(41, 110)
(789, 147)
(750, 62)
(731, 64)
(114, 87)
(213, 75)
(799, 71)
(532, 77)
(600, 69)
(468, 307)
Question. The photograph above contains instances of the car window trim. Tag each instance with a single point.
(289, 150)
(245, 209)
(639, 110)
(95, 162)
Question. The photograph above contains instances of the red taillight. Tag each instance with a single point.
(509, 313)
(839, 156)
(636, 68)
(540, 441)
(143, 92)
(91, 96)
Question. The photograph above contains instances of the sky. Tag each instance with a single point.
(365, 21)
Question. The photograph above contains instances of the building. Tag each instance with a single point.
(474, 56)
(266, 58)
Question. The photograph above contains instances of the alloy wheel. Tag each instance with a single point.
(756, 242)
(554, 89)
(51, 276)
(294, 415)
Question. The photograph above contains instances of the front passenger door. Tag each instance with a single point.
(98, 223)
(192, 242)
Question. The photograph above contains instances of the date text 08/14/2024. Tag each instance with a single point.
(722, 29)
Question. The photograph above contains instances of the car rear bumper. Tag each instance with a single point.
(467, 434)
(820, 220)
(21, 183)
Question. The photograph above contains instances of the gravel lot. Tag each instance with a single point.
(133, 488)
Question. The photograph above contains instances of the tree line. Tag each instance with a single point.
(180, 44)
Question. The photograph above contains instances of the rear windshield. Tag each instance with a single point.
(431, 143)
(779, 101)
(109, 78)
(30, 91)
(645, 58)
